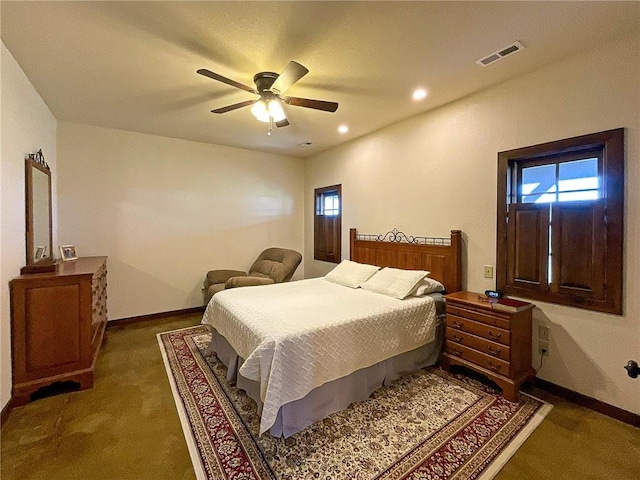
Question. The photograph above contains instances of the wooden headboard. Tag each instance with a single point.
(440, 256)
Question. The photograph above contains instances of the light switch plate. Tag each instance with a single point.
(488, 271)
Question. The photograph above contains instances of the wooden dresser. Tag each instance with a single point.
(58, 321)
(492, 342)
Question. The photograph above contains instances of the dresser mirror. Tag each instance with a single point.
(38, 215)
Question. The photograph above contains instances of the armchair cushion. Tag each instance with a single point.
(248, 281)
(276, 263)
(211, 290)
(221, 276)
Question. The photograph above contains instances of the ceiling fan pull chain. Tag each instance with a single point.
(270, 125)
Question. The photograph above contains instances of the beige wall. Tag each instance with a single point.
(165, 211)
(437, 172)
(27, 125)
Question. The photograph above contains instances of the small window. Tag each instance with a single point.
(327, 224)
(560, 215)
(328, 203)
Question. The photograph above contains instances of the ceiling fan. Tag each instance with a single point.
(271, 87)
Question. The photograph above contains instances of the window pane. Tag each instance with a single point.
(583, 195)
(543, 198)
(331, 204)
(580, 177)
(538, 184)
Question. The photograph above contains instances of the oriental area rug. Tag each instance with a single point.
(426, 425)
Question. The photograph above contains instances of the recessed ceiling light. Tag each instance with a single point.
(343, 129)
(419, 94)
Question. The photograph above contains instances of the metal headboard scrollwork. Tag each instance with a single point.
(397, 236)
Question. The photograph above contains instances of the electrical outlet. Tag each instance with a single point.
(543, 332)
(543, 347)
(488, 271)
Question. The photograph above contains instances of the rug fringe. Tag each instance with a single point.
(517, 441)
(182, 412)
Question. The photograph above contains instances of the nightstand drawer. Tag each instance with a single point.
(486, 361)
(498, 320)
(490, 341)
(480, 329)
(481, 344)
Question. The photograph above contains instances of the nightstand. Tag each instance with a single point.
(492, 342)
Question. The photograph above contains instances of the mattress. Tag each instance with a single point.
(295, 337)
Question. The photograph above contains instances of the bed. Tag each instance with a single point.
(303, 350)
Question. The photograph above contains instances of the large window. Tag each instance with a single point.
(560, 214)
(327, 224)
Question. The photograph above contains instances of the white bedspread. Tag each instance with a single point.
(297, 336)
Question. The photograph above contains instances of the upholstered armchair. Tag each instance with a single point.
(274, 265)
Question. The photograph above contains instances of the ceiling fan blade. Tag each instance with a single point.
(290, 75)
(228, 81)
(235, 106)
(282, 123)
(309, 103)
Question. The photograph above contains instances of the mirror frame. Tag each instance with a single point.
(47, 264)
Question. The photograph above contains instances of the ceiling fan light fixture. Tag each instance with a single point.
(260, 111)
(266, 109)
(276, 111)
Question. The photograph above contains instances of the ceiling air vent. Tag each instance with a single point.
(500, 54)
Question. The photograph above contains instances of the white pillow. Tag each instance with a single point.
(394, 282)
(427, 286)
(351, 274)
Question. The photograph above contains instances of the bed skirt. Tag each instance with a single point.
(333, 396)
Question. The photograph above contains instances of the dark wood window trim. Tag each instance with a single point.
(525, 226)
(327, 229)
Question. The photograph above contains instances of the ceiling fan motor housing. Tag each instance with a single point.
(264, 80)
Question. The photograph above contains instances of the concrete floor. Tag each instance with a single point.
(126, 427)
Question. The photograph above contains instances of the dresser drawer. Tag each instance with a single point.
(496, 319)
(481, 344)
(480, 329)
(486, 361)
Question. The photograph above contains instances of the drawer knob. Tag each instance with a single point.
(456, 338)
(494, 336)
(457, 352)
(495, 368)
(493, 351)
(455, 324)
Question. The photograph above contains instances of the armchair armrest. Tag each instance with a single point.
(221, 276)
(247, 281)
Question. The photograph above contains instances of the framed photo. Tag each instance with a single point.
(68, 252)
(40, 253)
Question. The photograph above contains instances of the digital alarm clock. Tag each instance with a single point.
(493, 293)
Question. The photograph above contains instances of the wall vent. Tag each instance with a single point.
(500, 54)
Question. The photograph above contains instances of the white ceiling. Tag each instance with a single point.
(132, 65)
